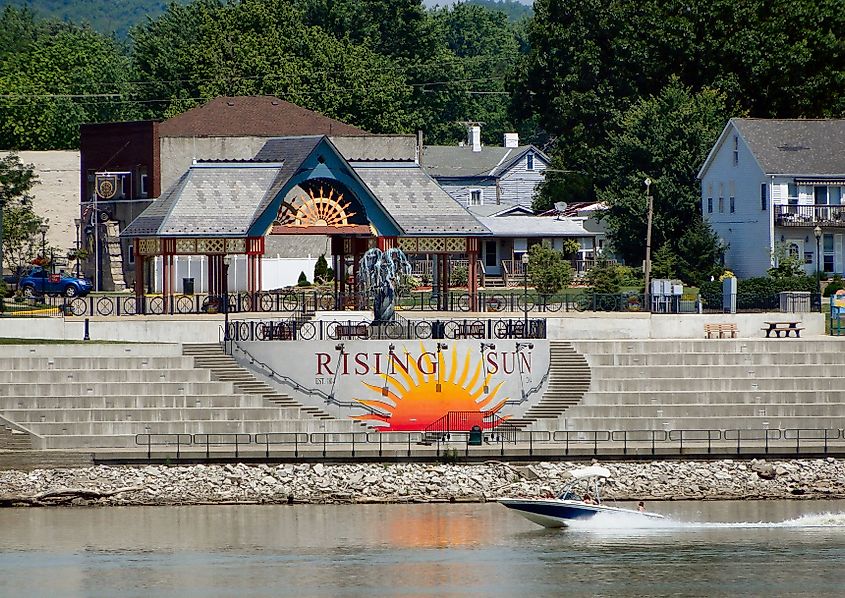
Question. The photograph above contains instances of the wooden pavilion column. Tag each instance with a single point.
(443, 304)
(140, 263)
(472, 277)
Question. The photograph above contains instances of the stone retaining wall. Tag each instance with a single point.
(358, 483)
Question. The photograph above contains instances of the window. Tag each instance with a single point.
(820, 195)
(834, 196)
(529, 161)
(792, 194)
(736, 150)
(764, 194)
(475, 197)
(131, 254)
(732, 201)
(722, 205)
(827, 248)
(709, 205)
(490, 254)
(143, 182)
(794, 250)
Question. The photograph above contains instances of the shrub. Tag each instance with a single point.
(303, 280)
(756, 293)
(548, 271)
(320, 269)
(630, 276)
(836, 284)
(604, 278)
(459, 277)
(329, 275)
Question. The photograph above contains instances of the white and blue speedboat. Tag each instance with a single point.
(580, 499)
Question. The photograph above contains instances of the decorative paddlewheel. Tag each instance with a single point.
(315, 209)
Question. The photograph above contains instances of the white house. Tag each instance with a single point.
(770, 182)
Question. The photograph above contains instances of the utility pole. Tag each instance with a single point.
(647, 265)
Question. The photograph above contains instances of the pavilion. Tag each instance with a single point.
(304, 186)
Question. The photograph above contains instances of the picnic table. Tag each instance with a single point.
(786, 328)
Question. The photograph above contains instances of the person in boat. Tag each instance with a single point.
(641, 507)
(588, 499)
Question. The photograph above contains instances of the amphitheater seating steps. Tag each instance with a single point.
(710, 384)
(225, 368)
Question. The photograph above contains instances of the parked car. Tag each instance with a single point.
(39, 281)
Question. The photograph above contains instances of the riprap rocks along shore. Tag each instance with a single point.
(416, 482)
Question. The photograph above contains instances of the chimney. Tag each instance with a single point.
(475, 138)
(419, 146)
(511, 139)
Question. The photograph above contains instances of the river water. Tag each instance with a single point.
(773, 548)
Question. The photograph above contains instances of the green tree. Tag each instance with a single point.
(321, 269)
(206, 49)
(57, 77)
(664, 138)
(548, 271)
(786, 265)
(664, 263)
(19, 222)
(605, 277)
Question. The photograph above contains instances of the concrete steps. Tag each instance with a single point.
(14, 440)
(226, 369)
(569, 379)
(29, 460)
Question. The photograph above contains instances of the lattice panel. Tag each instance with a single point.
(186, 246)
(211, 246)
(235, 245)
(432, 245)
(456, 245)
(149, 246)
(407, 245)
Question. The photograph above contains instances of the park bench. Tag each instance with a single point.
(785, 327)
(350, 331)
(469, 330)
(721, 330)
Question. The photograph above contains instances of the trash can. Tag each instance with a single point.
(188, 286)
(474, 436)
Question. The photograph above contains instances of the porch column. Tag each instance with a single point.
(139, 272)
(444, 282)
(165, 281)
(472, 280)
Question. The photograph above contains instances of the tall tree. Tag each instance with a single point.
(665, 138)
(19, 223)
(249, 47)
(56, 77)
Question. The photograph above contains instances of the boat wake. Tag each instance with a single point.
(624, 521)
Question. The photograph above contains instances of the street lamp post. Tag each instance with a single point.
(647, 265)
(2, 206)
(227, 260)
(78, 223)
(43, 230)
(817, 232)
(525, 294)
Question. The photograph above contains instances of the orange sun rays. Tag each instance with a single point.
(412, 399)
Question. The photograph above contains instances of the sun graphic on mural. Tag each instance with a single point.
(418, 391)
(317, 208)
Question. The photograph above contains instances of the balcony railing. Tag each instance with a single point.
(810, 215)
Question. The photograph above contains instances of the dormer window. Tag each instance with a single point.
(529, 161)
(736, 150)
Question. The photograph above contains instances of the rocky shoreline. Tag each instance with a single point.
(319, 483)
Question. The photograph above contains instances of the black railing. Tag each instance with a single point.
(831, 216)
(330, 330)
(610, 443)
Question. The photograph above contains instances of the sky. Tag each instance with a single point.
(446, 2)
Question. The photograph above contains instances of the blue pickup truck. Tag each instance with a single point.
(39, 281)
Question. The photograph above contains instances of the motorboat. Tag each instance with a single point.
(579, 500)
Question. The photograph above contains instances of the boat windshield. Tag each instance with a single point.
(581, 490)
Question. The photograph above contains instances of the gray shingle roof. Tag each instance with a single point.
(377, 147)
(534, 226)
(796, 147)
(209, 200)
(461, 161)
(417, 203)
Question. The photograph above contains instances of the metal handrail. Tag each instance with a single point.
(283, 438)
(163, 440)
(237, 439)
(336, 438)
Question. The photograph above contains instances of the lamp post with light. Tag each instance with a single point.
(227, 260)
(817, 232)
(647, 265)
(43, 228)
(525, 294)
(78, 223)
